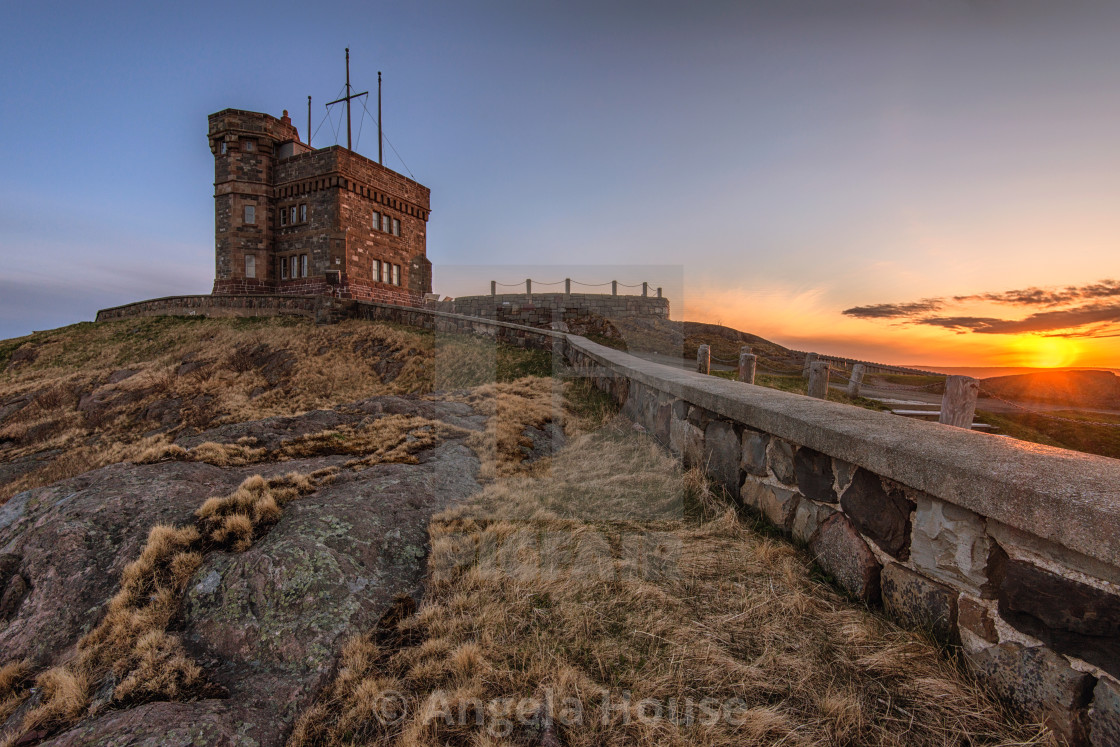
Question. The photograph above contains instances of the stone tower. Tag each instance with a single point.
(296, 220)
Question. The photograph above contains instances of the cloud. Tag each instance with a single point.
(1043, 321)
(1091, 310)
(961, 323)
(895, 310)
(1049, 296)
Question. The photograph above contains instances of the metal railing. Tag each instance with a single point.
(568, 283)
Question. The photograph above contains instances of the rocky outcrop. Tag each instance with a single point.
(265, 624)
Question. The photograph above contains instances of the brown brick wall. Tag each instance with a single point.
(340, 189)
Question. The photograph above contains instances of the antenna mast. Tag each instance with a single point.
(347, 99)
(379, 154)
(309, 121)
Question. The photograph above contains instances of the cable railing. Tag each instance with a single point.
(528, 284)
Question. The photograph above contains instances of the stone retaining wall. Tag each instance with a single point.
(245, 305)
(1008, 549)
(544, 308)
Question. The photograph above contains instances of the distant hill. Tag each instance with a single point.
(990, 372)
(1094, 389)
(683, 338)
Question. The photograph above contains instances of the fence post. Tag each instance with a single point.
(747, 363)
(493, 287)
(958, 406)
(528, 287)
(614, 287)
(810, 359)
(645, 289)
(704, 359)
(567, 286)
(855, 384)
(818, 380)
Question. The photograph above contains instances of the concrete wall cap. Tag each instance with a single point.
(1068, 497)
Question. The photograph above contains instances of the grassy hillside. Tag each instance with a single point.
(1066, 429)
(573, 564)
(87, 395)
(1079, 389)
(681, 339)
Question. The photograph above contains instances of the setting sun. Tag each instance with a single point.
(1046, 352)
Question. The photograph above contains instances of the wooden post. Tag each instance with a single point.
(818, 380)
(614, 287)
(704, 359)
(567, 286)
(958, 406)
(645, 289)
(493, 287)
(810, 359)
(528, 287)
(745, 349)
(855, 384)
(747, 363)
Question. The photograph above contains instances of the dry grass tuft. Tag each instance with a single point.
(226, 455)
(159, 669)
(391, 438)
(65, 695)
(511, 407)
(606, 577)
(162, 452)
(15, 679)
(233, 521)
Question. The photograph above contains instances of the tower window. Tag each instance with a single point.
(303, 213)
(249, 146)
(376, 272)
(396, 227)
(293, 213)
(283, 268)
(283, 217)
(250, 266)
(250, 214)
(396, 274)
(224, 147)
(386, 272)
(385, 223)
(295, 266)
(376, 220)
(303, 265)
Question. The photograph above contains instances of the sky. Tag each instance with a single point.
(915, 182)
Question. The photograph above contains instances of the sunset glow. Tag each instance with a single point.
(1046, 352)
(811, 320)
(928, 184)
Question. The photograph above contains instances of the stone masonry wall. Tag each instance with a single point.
(541, 309)
(247, 305)
(314, 208)
(1010, 551)
(339, 232)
